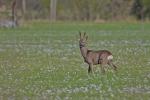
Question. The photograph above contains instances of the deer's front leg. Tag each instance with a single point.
(102, 68)
(90, 69)
(110, 63)
(104, 62)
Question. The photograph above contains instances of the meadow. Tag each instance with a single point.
(42, 61)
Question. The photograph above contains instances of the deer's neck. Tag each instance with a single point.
(84, 51)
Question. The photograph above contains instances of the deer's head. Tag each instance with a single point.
(83, 40)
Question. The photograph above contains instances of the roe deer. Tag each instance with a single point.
(91, 57)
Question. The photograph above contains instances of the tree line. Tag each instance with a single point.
(85, 10)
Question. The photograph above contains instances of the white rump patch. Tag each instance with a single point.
(110, 57)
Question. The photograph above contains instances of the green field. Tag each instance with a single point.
(41, 61)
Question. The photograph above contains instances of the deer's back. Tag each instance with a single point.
(96, 57)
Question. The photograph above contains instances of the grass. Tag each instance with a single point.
(41, 61)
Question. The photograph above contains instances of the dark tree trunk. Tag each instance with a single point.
(23, 8)
(13, 10)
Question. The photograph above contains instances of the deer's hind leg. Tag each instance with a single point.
(90, 69)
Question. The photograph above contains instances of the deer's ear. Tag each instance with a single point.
(84, 34)
(86, 37)
(80, 34)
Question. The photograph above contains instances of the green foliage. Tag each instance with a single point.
(141, 8)
(46, 3)
(146, 3)
(87, 10)
(92, 10)
(42, 61)
(137, 9)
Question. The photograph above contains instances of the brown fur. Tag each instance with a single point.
(94, 57)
